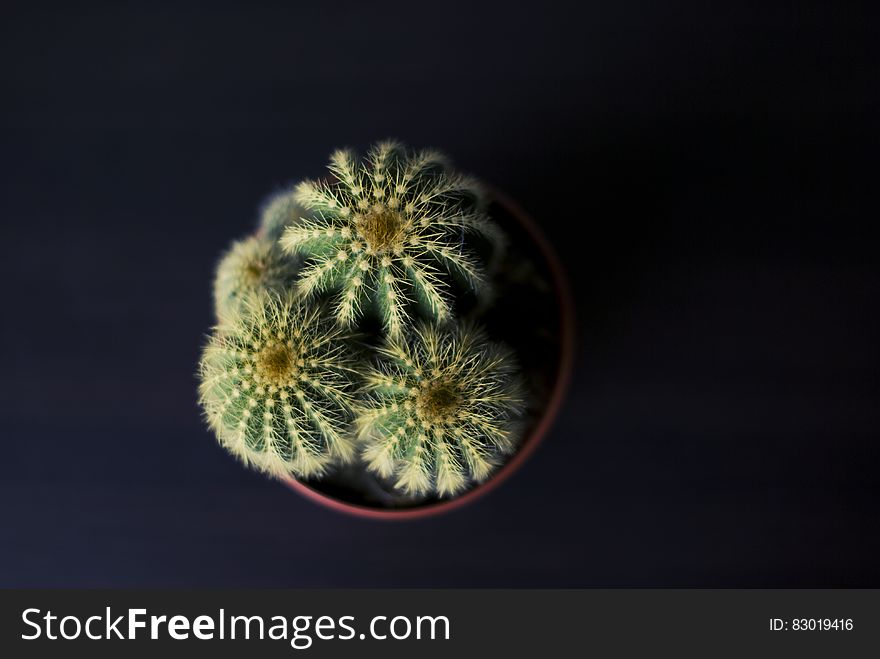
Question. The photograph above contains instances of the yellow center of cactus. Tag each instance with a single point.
(381, 228)
(276, 364)
(253, 272)
(438, 400)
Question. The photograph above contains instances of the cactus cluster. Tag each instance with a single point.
(293, 380)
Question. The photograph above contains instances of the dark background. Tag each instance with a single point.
(707, 171)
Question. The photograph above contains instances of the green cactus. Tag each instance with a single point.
(279, 212)
(276, 387)
(443, 407)
(389, 234)
(251, 266)
(437, 407)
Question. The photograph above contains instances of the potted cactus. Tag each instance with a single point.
(371, 348)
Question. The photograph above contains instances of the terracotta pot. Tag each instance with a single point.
(537, 431)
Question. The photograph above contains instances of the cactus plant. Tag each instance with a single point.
(443, 408)
(276, 387)
(251, 266)
(279, 212)
(420, 407)
(392, 230)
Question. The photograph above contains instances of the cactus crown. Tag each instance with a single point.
(441, 409)
(277, 387)
(382, 233)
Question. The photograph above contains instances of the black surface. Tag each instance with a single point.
(707, 171)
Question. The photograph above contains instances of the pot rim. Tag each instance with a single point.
(563, 377)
